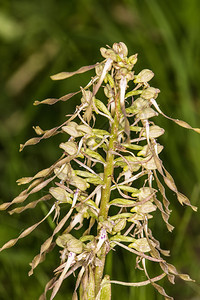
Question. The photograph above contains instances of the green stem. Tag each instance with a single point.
(105, 198)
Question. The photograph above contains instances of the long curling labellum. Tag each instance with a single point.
(110, 175)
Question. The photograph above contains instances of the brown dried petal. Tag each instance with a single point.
(24, 180)
(51, 101)
(186, 125)
(165, 215)
(26, 232)
(45, 246)
(40, 174)
(34, 141)
(161, 291)
(29, 205)
(64, 75)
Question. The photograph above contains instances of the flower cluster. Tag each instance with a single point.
(111, 176)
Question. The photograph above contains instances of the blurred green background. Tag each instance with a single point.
(40, 38)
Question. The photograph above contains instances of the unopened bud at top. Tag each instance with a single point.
(120, 49)
(108, 53)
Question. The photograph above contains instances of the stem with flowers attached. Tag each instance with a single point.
(105, 198)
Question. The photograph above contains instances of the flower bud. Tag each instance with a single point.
(84, 128)
(150, 163)
(132, 59)
(87, 95)
(99, 69)
(146, 151)
(63, 172)
(122, 72)
(147, 113)
(108, 53)
(91, 142)
(69, 147)
(74, 245)
(120, 48)
(139, 217)
(79, 182)
(70, 128)
(122, 238)
(60, 194)
(110, 80)
(108, 91)
(141, 245)
(120, 225)
(149, 93)
(145, 208)
(62, 240)
(130, 76)
(138, 105)
(144, 76)
(145, 192)
(154, 131)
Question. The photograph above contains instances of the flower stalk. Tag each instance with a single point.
(105, 198)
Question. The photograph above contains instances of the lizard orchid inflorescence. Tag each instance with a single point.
(108, 181)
